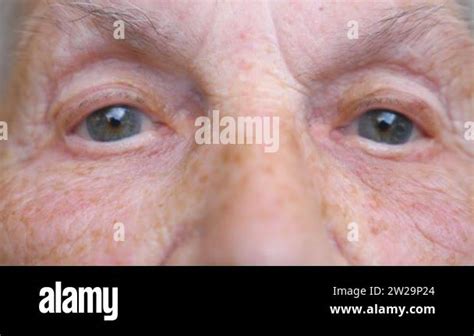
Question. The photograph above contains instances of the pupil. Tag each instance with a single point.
(114, 122)
(385, 120)
(115, 116)
(384, 125)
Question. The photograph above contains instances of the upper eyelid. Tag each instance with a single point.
(81, 105)
(371, 103)
(414, 108)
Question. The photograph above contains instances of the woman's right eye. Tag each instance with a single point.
(113, 123)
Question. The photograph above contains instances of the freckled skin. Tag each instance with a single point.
(182, 203)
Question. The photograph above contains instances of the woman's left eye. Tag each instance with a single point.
(113, 123)
(385, 126)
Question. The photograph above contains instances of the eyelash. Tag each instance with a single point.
(76, 113)
(392, 104)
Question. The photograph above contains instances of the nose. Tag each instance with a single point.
(263, 208)
(266, 210)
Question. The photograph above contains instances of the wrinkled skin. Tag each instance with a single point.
(183, 203)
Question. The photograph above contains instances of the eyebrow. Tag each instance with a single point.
(411, 24)
(136, 21)
(399, 27)
(404, 31)
(144, 34)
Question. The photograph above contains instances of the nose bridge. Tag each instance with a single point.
(251, 168)
(253, 173)
(264, 209)
(240, 58)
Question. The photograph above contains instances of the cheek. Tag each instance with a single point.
(67, 214)
(407, 213)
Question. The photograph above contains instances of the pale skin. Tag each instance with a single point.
(183, 203)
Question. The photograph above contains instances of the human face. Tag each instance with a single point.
(337, 191)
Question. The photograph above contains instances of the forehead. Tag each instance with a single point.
(196, 18)
(185, 19)
(227, 27)
(193, 10)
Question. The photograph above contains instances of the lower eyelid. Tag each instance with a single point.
(424, 149)
(115, 146)
(133, 145)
